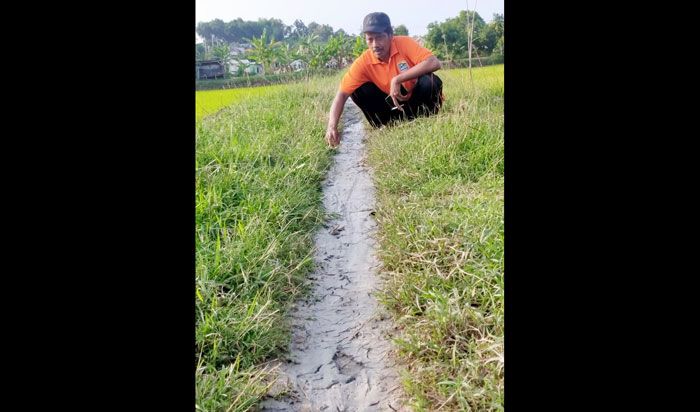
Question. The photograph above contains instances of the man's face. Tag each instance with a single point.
(380, 44)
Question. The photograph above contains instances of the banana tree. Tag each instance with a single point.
(264, 50)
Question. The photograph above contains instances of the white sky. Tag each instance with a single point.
(344, 14)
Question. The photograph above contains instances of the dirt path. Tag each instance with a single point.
(339, 353)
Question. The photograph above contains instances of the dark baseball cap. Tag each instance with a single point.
(376, 23)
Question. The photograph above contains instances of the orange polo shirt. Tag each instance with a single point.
(405, 53)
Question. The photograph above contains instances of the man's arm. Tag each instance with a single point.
(332, 136)
(428, 65)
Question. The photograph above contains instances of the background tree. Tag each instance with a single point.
(323, 31)
(318, 56)
(332, 47)
(238, 30)
(305, 45)
(345, 50)
(299, 29)
(400, 30)
(276, 29)
(338, 48)
(222, 53)
(240, 70)
(213, 29)
(200, 51)
(498, 26)
(286, 55)
(263, 50)
(499, 46)
(486, 39)
(450, 38)
(359, 46)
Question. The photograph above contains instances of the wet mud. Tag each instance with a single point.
(340, 357)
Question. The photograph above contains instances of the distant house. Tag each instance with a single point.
(298, 65)
(209, 69)
(238, 49)
(249, 67)
(332, 63)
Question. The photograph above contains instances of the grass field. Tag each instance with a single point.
(261, 158)
(440, 193)
(260, 163)
(211, 101)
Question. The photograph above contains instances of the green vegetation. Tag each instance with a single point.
(260, 162)
(449, 40)
(439, 187)
(280, 48)
(439, 180)
(211, 101)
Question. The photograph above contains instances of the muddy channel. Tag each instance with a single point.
(340, 357)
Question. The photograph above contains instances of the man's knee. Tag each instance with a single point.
(430, 81)
(371, 100)
(367, 91)
(428, 91)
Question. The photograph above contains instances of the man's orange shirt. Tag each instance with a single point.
(405, 53)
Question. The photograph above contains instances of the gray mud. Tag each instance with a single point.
(340, 357)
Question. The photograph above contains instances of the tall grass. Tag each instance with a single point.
(440, 210)
(260, 163)
(261, 158)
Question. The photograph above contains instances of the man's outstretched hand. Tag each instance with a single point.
(332, 137)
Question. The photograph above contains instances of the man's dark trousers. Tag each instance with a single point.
(425, 100)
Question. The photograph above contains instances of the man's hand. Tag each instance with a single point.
(332, 136)
(395, 92)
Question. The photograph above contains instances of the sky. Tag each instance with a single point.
(344, 14)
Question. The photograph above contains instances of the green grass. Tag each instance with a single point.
(209, 102)
(260, 162)
(261, 158)
(440, 211)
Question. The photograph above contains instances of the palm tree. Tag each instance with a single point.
(222, 52)
(358, 46)
(286, 56)
(317, 55)
(305, 45)
(345, 49)
(332, 48)
(263, 50)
